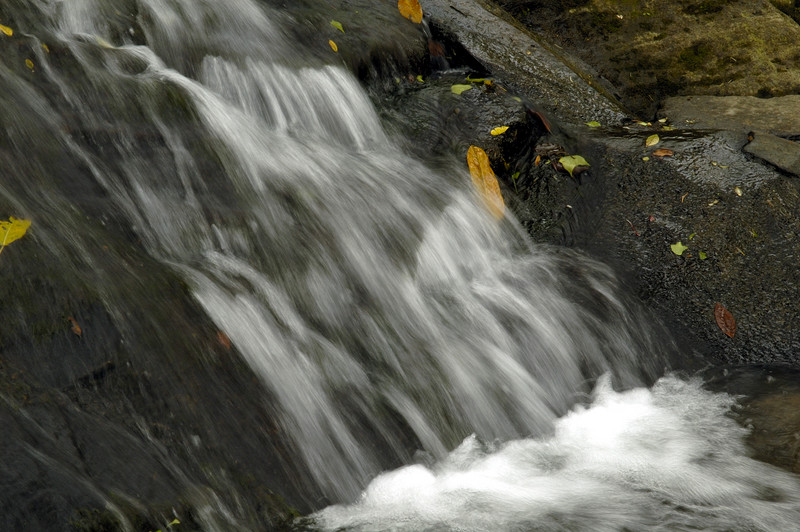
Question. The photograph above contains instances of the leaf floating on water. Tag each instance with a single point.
(652, 140)
(29, 64)
(725, 320)
(338, 25)
(102, 42)
(663, 152)
(5, 29)
(678, 248)
(459, 88)
(593, 123)
(499, 130)
(485, 181)
(411, 10)
(571, 163)
(12, 230)
(333, 46)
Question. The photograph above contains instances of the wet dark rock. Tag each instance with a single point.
(779, 116)
(783, 153)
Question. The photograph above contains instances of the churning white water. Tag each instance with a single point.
(387, 312)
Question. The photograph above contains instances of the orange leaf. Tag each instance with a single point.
(485, 181)
(663, 152)
(411, 10)
(75, 327)
(725, 320)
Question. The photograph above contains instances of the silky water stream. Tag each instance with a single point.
(393, 320)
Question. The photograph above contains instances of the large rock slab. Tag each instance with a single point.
(779, 116)
(783, 153)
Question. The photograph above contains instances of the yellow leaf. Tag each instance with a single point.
(458, 88)
(29, 64)
(411, 10)
(5, 29)
(652, 140)
(333, 46)
(499, 130)
(45, 48)
(571, 162)
(338, 25)
(485, 182)
(12, 230)
(593, 123)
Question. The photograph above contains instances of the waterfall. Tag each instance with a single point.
(379, 303)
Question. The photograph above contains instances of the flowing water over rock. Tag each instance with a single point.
(381, 308)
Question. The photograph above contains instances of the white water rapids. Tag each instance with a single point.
(386, 311)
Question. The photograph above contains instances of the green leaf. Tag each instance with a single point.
(593, 123)
(338, 25)
(678, 248)
(458, 89)
(571, 162)
(652, 140)
(476, 80)
(420, 79)
(12, 230)
(702, 255)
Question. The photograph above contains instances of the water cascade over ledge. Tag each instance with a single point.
(389, 317)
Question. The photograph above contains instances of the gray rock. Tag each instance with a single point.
(783, 153)
(778, 116)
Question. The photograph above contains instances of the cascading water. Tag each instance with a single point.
(380, 304)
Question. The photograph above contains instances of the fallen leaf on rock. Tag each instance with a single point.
(678, 248)
(485, 181)
(663, 152)
(5, 29)
(12, 230)
(459, 88)
(223, 339)
(29, 64)
(499, 130)
(703, 255)
(411, 10)
(420, 78)
(572, 163)
(333, 46)
(338, 25)
(652, 140)
(725, 320)
(593, 123)
(537, 160)
(737, 190)
(75, 328)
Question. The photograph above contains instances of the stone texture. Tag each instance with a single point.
(783, 153)
(779, 116)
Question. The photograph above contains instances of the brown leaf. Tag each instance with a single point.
(223, 339)
(76, 329)
(411, 10)
(725, 320)
(485, 181)
(663, 152)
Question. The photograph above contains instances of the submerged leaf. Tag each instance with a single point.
(652, 140)
(12, 230)
(663, 152)
(678, 248)
(338, 25)
(485, 182)
(5, 29)
(333, 46)
(411, 10)
(725, 320)
(571, 162)
(459, 88)
(499, 130)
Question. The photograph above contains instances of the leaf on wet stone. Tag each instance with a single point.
(678, 248)
(499, 130)
(338, 25)
(420, 78)
(459, 88)
(663, 152)
(485, 181)
(725, 320)
(593, 123)
(652, 140)
(12, 230)
(5, 29)
(411, 10)
(572, 162)
(29, 64)
(333, 46)
(703, 255)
